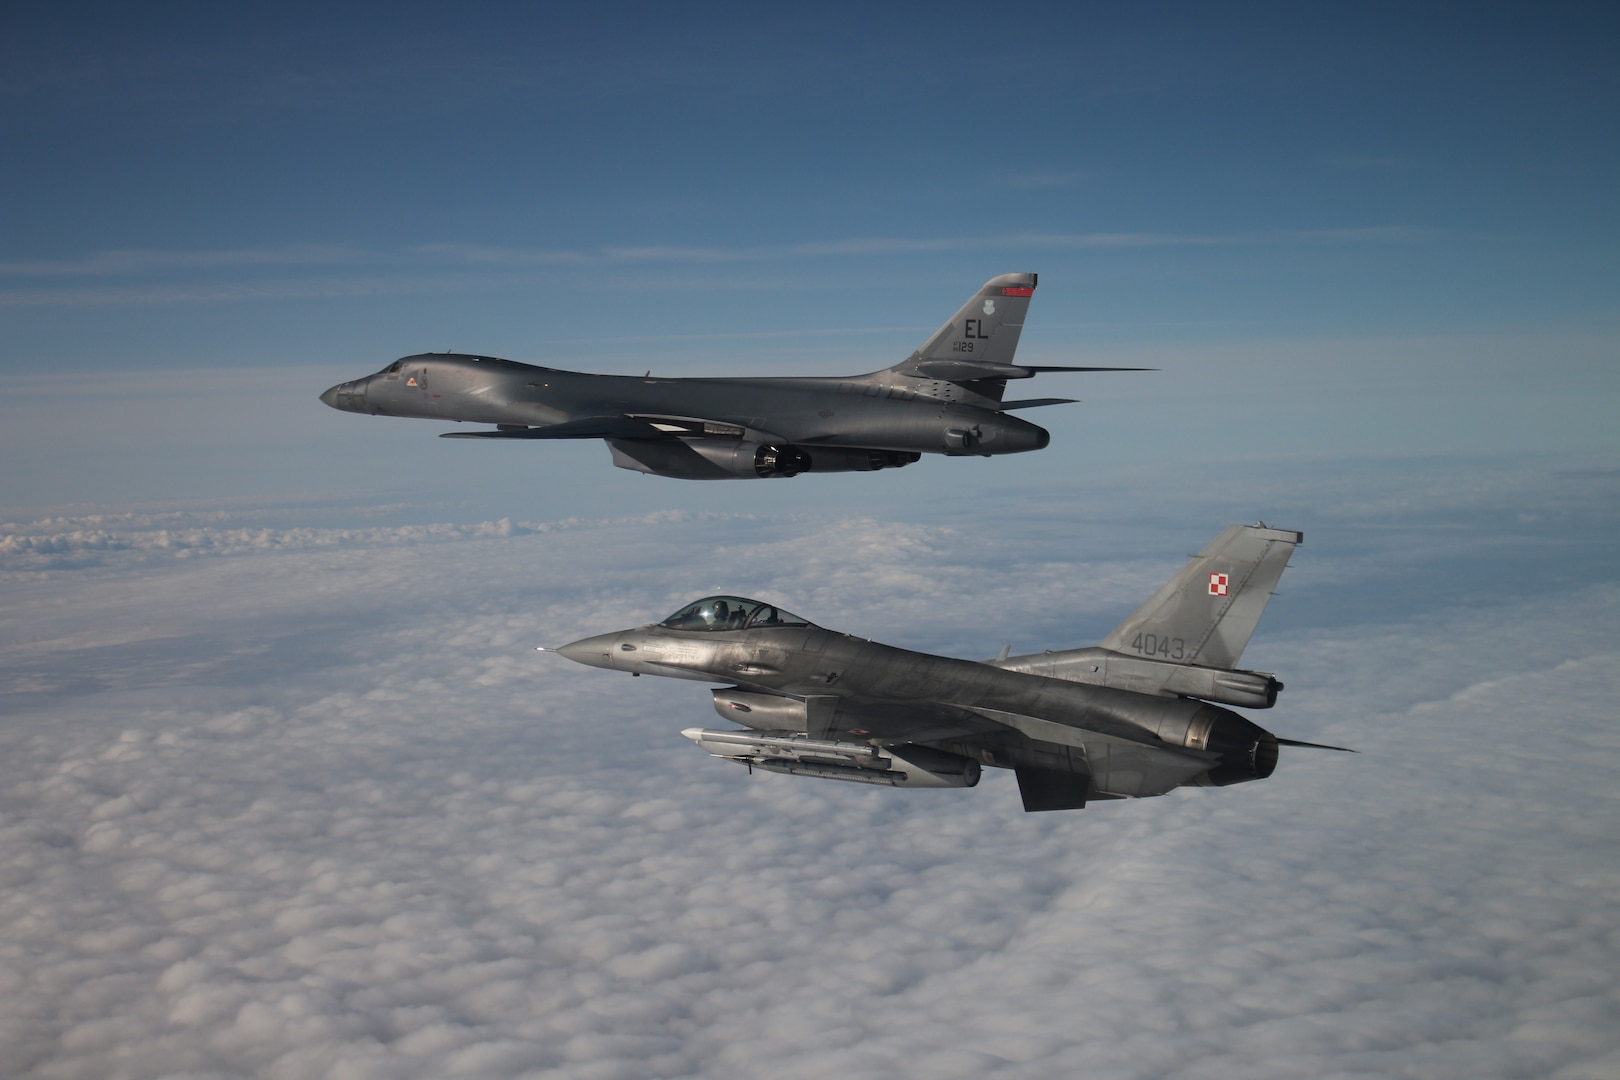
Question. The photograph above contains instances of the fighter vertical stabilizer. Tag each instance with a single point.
(1206, 614)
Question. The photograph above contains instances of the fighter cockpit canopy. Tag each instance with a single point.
(730, 613)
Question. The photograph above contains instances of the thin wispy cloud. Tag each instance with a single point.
(407, 266)
(127, 263)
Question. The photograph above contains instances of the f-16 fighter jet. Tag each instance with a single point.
(1137, 715)
(945, 398)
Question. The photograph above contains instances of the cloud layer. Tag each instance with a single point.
(300, 808)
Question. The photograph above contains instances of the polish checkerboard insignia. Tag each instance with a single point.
(1217, 584)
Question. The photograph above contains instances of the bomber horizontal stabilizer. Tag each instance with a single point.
(1039, 368)
(973, 370)
(1037, 402)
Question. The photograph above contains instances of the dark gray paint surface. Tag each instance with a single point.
(946, 398)
(1138, 716)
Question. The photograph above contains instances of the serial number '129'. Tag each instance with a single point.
(1153, 645)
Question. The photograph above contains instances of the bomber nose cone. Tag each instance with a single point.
(330, 397)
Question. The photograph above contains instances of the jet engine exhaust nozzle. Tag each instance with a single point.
(780, 461)
(1248, 751)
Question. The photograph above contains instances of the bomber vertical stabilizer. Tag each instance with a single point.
(984, 332)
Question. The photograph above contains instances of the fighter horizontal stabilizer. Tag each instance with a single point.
(1123, 759)
(1052, 789)
(590, 427)
(1314, 745)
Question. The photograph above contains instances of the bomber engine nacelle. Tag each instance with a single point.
(771, 460)
(764, 460)
(746, 459)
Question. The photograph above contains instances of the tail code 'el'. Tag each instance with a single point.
(983, 333)
(1207, 613)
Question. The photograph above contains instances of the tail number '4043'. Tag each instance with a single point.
(1153, 645)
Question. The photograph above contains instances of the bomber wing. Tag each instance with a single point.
(626, 426)
(1037, 402)
(590, 427)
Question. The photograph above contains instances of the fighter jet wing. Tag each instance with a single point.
(590, 427)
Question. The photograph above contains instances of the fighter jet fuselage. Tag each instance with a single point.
(870, 691)
(946, 398)
(1137, 715)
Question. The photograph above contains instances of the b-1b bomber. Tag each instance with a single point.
(1140, 714)
(945, 398)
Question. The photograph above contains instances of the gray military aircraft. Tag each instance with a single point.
(945, 398)
(1137, 715)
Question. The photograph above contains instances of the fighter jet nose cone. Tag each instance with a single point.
(591, 651)
(330, 397)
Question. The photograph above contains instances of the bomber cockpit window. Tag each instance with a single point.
(730, 613)
(393, 369)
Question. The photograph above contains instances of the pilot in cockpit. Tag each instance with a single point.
(730, 613)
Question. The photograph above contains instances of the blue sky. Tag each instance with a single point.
(1272, 171)
(1384, 230)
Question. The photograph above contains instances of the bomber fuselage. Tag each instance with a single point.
(880, 411)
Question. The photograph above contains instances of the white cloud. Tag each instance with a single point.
(311, 806)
